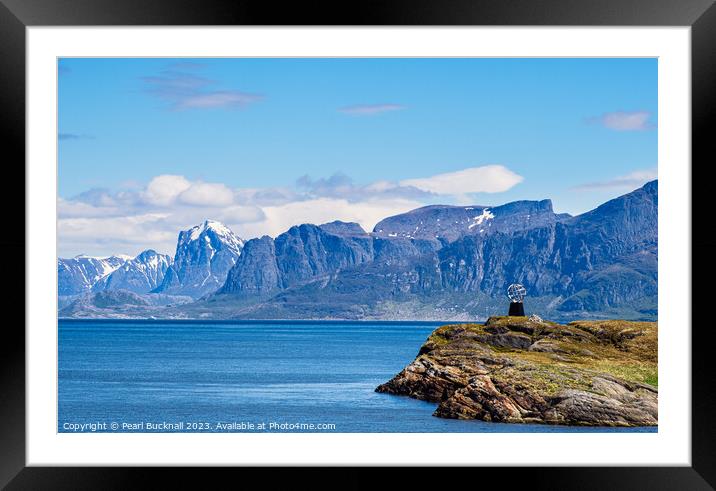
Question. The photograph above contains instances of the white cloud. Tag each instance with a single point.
(121, 234)
(80, 209)
(322, 210)
(207, 194)
(370, 109)
(624, 121)
(164, 189)
(340, 186)
(632, 180)
(129, 221)
(100, 222)
(380, 186)
(241, 214)
(485, 179)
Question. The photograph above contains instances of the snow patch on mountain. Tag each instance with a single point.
(486, 215)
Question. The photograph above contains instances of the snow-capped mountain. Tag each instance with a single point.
(141, 274)
(204, 255)
(79, 274)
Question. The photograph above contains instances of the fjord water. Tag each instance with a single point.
(247, 373)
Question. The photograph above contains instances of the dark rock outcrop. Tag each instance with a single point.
(514, 370)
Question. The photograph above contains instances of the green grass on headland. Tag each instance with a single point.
(562, 354)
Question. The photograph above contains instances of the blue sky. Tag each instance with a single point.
(150, 146)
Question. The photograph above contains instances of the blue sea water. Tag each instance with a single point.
(247, 376)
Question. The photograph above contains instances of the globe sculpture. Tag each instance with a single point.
(517, 293)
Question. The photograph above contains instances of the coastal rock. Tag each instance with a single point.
(514, 370)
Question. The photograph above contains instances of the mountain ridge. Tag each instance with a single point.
(604, 260)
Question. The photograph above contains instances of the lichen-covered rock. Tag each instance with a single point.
(516, 370)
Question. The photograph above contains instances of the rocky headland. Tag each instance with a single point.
(520, 370)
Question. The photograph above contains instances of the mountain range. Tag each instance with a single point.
(435, 262)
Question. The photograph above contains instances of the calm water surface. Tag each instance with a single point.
(241, 374)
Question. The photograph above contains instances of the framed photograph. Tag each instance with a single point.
(283, 238)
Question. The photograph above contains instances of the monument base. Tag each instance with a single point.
(517, 309)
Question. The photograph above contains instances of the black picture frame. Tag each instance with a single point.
(16, 15)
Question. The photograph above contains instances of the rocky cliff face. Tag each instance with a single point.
(256, 271)
(515, 370)
(141, 274)
(300, 255)
(205, 254)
